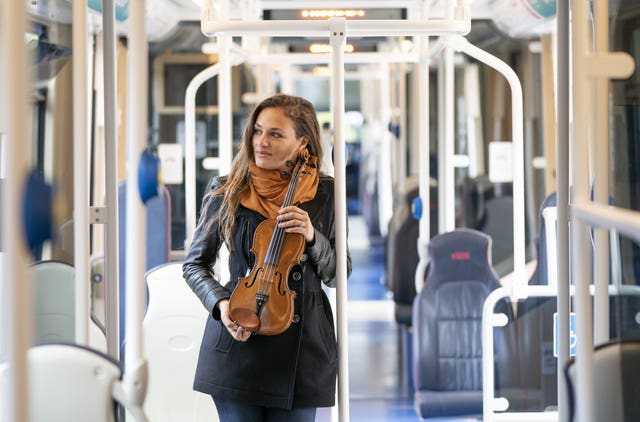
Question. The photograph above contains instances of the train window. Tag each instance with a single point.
(625, 118)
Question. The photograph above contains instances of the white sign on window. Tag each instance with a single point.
(500, 162)
(171, 163)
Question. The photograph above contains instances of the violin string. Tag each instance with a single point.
(278, 236)
(279, 232)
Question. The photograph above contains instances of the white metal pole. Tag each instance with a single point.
(550, 216)
(600, 154)
(448, 182)
(190, 148)
(15, 276)
(562, 181)
(442, 212)
(385, 173)
(517, 135)
(225, 115)
(225, 119)
(624, 221)
(424, 174)
(337, 41)
(80, 173)
(111, 169)
(137, 71)
(402, 122)
(581, 269)
(318, 28)
(334, 4)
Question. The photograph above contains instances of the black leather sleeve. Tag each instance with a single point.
(198, 266)
(322, 255)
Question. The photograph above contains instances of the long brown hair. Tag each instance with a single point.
(305, 123)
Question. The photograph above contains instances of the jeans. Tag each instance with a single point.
(235, 411)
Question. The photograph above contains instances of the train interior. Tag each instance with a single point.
(423, 270)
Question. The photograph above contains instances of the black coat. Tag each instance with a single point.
(297, 368)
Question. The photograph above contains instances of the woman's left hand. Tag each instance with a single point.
(296, 220)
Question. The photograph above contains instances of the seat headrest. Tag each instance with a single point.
(463, 254)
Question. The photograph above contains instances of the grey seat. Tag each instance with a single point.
(616, 371)
(447, 324)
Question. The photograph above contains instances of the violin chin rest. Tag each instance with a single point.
(245, 318)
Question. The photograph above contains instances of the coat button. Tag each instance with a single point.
(304, 257)
(296, 318)
(296, 276)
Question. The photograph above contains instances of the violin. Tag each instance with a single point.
(262, 301)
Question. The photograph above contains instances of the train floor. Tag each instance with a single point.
(379, 387)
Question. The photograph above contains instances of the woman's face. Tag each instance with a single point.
(274, 140)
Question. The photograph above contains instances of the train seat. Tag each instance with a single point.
(402, 250)
(172, 331)
(54, 290)
(71, 383)
(402, 255)
(447, 326)
(534, 332)
(485, 206)
(616, 368)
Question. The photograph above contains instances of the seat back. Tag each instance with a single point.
(486, 206)
(616, 368)
(69, 383)
(402, 250)
(447, 321)
(537, 366)
(54, 311)
(172, 331)
(54, 290)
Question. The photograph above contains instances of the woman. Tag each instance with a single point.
(254, 377)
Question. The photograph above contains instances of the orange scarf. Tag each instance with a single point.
(268, 189)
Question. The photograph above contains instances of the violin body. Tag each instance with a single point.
(262, 301)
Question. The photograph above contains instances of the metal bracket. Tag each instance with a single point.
(337, 32)
(98, 215)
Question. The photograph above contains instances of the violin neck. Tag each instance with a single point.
(275, 245)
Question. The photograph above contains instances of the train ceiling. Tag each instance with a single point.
(174, 24)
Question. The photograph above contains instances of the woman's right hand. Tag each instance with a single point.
(236, 331)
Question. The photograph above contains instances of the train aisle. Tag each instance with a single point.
(378, 390)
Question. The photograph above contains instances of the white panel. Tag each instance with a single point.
(171, 163)
(500, 162)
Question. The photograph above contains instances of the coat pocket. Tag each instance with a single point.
(224, 340)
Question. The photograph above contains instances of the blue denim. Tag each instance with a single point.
(235, 411)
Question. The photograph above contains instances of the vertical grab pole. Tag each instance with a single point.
(80, 173)
(424, 188)
(111, 163)
(579, 231)
(225, 133)
(15, 277)
(337, 29)
(225, 118)
(442, 212)
(448, 171)
(562, 187)
(134, 379)
(601, 183)
(448, 182)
